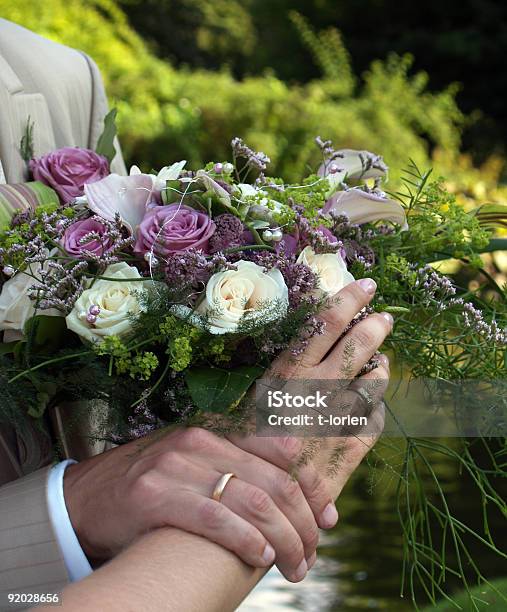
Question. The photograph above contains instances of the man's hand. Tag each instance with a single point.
(168, 481)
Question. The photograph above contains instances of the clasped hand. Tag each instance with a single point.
(269, 513)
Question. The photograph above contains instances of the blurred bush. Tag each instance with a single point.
(167, 114)
(455, 40)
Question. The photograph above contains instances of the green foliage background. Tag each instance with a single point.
(168, 113)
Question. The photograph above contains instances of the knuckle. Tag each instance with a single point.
(334, 318)
(366, 335)
(294, 550)
(259, 501)
(196, 439)
(290, 448)
(250, 541)
(287, 487)
(212, 514)
(317, 490)
(310, 536)
(146, 485)
(170, 462)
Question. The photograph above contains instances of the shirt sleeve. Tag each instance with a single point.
(74, 558)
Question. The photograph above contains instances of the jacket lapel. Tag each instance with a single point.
(19, 107)
(16, 108)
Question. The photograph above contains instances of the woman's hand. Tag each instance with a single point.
(327, 359)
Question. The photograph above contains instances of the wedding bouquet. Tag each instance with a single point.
(166, 295)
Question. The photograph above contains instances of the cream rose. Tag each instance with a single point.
(16, 307)
(330, 269)
(105, 308)
(234, 293)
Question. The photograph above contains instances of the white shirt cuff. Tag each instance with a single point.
(78, 566)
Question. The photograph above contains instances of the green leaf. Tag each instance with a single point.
(45, 332)
(44, 194)
(258, 224)
(105, 144)
(46, 392)
(492, 215)
(496, 244)
(171, 193)
(8, 347)
(26, 144)
(219, 390)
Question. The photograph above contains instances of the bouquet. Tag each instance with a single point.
(165, 295)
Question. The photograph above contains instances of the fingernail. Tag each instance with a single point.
(329, 516)
(269, 554)
(301, 570)
(368, 285)
(311, 561)
(383, 360)
(388, 317)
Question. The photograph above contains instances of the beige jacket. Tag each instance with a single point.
(61, 90)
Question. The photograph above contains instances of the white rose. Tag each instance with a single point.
(117, 300)
(234, 293)
(16, 307)
(330, 269)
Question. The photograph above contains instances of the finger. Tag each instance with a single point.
(287, 454)
(346, 453)
(348, 303)
(216, 522)
(260, 510)
(283, 490)
(222, 456)
(356, 347)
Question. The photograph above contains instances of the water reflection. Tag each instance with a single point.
(360, 562)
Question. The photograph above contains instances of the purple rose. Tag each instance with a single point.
(174, 228)
(67, 170)
(98, 244)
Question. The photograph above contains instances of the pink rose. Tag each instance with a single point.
(98, 244)
(173, 228)
(67, 170)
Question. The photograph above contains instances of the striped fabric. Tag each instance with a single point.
(30, 559)
(61, 91)
(21, 197)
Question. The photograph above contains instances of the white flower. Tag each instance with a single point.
(364, 207)
(234, 293)
(16, 307)
(352, 165)
(168, 173)
(127, 196)
(249, 191)
(264, 206)
(116, 299)
(329, 268)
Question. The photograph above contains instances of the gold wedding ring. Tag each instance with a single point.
(220, 486)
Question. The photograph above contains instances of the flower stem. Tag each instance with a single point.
(48, 362)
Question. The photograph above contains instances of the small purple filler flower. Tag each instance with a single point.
(67, 170)
(172, 229)
(88, 235)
